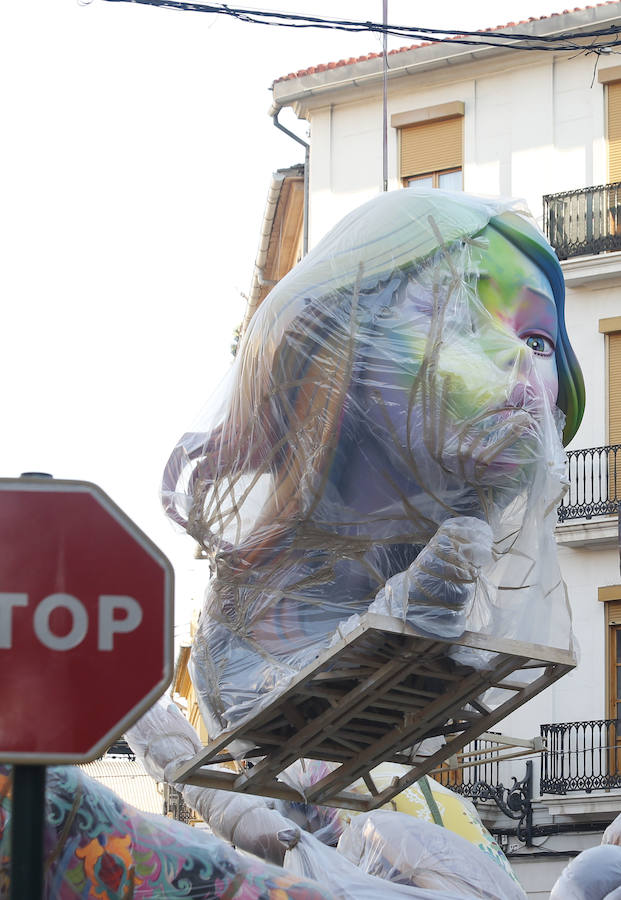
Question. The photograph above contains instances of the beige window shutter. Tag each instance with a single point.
(613, 612)
(432, 146)
(614, 388)
(614, 132)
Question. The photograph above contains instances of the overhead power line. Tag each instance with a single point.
(602, 39)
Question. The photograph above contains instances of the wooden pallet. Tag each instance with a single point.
(369, 699)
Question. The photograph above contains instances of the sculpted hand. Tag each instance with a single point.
(436, 592)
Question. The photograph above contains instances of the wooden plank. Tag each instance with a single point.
(371, 785)
(410, 733)
(510, 685)
(378, 717)
(212, 778)
(430, 672)
(341, 738)
(344, 674)
(477, 641)
(410, 691)
(398, 707)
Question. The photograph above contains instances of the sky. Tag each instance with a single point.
(135, 158)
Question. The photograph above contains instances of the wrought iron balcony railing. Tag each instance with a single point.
(478, 777)
(581, 756)
(466, 779)
(594, 483)
(585, 221)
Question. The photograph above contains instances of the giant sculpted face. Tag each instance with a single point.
(389, 438)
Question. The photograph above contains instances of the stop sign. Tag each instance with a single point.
(86, 607)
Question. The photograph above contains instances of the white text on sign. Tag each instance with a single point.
(109, 623)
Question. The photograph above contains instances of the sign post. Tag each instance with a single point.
(86, 612)
(28, 810)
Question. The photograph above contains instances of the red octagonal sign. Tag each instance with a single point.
(86, 604)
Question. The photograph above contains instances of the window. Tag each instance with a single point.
(611, 595)
(614, 660)
(611, 328)
(611, 79)
(430, 146)
(615, 675)
(448, 180)
(613, 110)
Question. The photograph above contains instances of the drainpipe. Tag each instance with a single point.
(306, 146)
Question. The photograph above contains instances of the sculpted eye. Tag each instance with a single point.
(539, 344)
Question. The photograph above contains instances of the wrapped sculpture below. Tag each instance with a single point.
(388, 439)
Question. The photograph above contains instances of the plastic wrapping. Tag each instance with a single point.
(612, 835)
(458, 814)
(309, 858)
(406, 850)
(388, 438)
(96, 846)
(324, 822)
(163, 739)
(593, 875)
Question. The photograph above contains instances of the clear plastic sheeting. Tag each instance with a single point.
(96, 846)
(612, 835)
(163, 739)
(457, 813)
(389, 436)
(405, 850)
(309, 858)
(593, 875)
(324, 822)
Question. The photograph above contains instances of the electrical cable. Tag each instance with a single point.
(519, 41)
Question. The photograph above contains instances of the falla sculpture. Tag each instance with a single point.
(389, 439)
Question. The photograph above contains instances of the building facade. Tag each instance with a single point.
(543, 126)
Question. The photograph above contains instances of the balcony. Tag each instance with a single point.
(594, 483)
(576, 756)
(581, 756)
(573, 769)
(478, 764)
(584, 222)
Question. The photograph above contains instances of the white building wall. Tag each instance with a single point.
(529, 131)
(346, 162)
